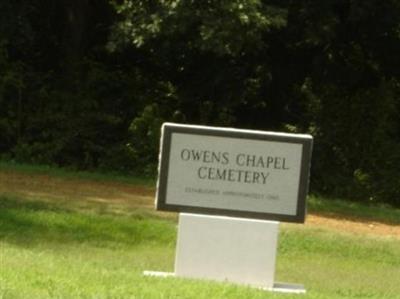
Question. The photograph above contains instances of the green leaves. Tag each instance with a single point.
(81, 80)
(221, 27)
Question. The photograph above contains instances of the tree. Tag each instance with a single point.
(86, 83)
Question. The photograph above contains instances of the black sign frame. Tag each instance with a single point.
(168, 129)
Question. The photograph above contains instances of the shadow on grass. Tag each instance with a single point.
(29, 223)
(13, 202)
(354, 211)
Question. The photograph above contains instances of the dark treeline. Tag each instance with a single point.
(86, 84)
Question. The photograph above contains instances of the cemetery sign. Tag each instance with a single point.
(242, 173)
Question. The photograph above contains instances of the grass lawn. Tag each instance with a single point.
(68, 237)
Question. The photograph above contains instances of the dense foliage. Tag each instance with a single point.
(86, 84)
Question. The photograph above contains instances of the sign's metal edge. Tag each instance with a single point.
(162, 182)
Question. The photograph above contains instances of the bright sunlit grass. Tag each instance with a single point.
(50, 252)
(69, 246)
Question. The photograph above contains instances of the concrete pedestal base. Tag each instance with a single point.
(277, 287)
(229, 249)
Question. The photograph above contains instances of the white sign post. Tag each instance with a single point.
(232, 186)
(224, 248)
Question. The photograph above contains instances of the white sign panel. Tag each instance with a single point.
(241, 173)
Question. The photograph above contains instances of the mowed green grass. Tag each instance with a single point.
(50, 249)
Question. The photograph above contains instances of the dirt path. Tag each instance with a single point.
(355, 226)
(114, 194)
